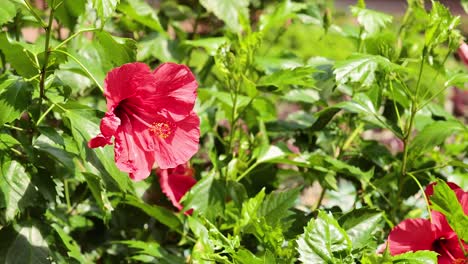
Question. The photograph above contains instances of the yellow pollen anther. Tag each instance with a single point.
(163, 130)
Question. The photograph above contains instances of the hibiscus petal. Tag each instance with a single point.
(181, 146)
(442, 228)
(122, 82)
(109, 124)
(99, 141)
(129, 154)
(411, 235)
(173, 93)
(175, 186)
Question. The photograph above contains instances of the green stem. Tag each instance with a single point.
(67, 194)
(322, 195)
(246, 172)
(43, 73)
(83, 67)
(38, 18)
(424, 194)
(13, 127)
(74, 35)
(351, 137)
(45, 114)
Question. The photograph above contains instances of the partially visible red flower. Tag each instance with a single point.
(463, 52)
(150, 115)
(175, 183)
(430, 188)
(438, 236)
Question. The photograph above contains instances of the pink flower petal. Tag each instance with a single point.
(99, 141)
(181, 146)
(175, 185)
(411, 235)
(109, 124)
(123, 82)
(129, 155)
(175, 91)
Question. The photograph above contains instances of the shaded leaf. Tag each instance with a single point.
(15, 97)
(206, 197)
(71, 245)
(28, 247)
(432, 135)
(19, 57)
(16, 189)
(159, 213)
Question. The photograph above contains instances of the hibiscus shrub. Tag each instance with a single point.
(231, 131)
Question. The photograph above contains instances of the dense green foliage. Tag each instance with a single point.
(318, 131)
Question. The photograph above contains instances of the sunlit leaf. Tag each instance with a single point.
(445, 201)
(229, 11)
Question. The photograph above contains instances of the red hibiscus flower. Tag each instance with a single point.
(176, 182)
(438, 236)
(150, 115)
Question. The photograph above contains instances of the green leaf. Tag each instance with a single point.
(360, 224)
(210, 45)
(464, 4)
(160, 47)
(418, 257)
(19, 57)
(99, 193)
(73, 248)
(69, 11)
(57, 152)
(432, 135)
(442, 25)
(362, 68)
(7, 12)
(250, 209)
(445, 200)
(302, 95)
(276, 205)
(105, 8)
(206, 197)
(302, 76)
(270, 154)
(159, 213)
(342, 167)
(84, 126)
(232, 12)
(372, 21)
(459, 80)
(141, 12)
(15, 97)
(16, 189)
(28, 247)
(323, 241)
(153, 249)
(115, 50)
(281, 13)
